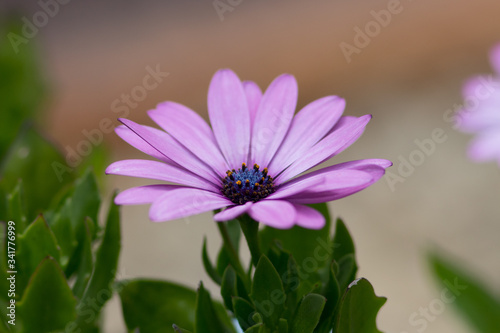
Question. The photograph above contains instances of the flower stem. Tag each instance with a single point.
(250, 229)
(231, 251)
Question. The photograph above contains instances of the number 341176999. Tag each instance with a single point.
(11, 245)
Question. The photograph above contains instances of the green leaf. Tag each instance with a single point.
(332, 294)
(310, 248)
(4, 327)
(21, 85)
(279, 258)
(14, 211)
(4, 283)
(268, 294)
(16, 208)
(100, 285)
(223, 259)
(33, 246)
(3, 205)
(257, 328)
(86, 264)
(283, 326)
(358, 309)
(177, 329)
(228, 288)
(36, 312)
(223, 316)
(60, 224)
(291, 284)
(342, 241)
(208, 319)
(30, 158)
(477, 305)
(207, 264)
(85, 201)
(241, 288)
(347, 271)
(243, 311)
(308, 314)
(154, 306)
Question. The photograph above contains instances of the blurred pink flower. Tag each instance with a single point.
(247, 161)
(481, 114)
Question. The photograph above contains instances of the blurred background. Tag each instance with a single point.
(402, 61)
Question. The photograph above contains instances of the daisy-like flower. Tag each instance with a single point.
(481, 114)
(248, 162)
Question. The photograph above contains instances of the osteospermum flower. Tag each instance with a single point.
(248, 162)
(481, 114)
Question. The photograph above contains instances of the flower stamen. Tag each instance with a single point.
(258, 184)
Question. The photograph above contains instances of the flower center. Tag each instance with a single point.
(244, 184)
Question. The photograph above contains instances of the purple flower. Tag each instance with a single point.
(248, 162)
(481, 114)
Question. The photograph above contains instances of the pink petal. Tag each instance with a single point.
(159, 171)
(137, 142)
(273, 119)
(291, 188)
(188, 128)
(254, 95)
(309, 126)
(480, 112)
(485, 147)
(185, 202)
(326, 180)
(495, 58)
(373, 169)
(308, 217)
(339, 139)
(143, 194)
(471, 121)
(373, 172)
(311, 198)
(481, 89)
(230, 117)
(172, 149)
(371, 166)
(232, 212)
(274, 213)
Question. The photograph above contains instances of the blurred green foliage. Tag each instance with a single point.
(60, 261)
(30, 158)
(53, 280)
(477, 305)
(22, 90)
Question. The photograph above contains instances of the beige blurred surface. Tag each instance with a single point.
(408, 76)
